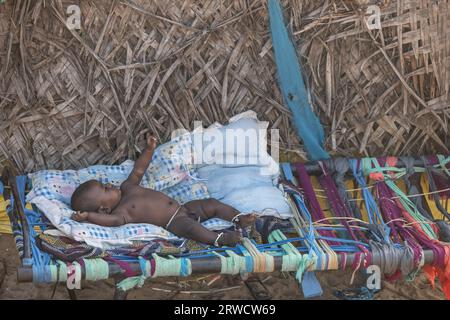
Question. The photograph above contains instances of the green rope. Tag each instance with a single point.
(138, 281)
(233, 264)
(53, 273)
(163, 268)
(58, 271)
(171, 267)
(62, 270)
(293, 260)
(409, 206)
(96, 269)
(443, 162)
(131, 283)
(366, 164)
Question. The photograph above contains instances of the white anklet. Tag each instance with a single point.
(236, 217)
(216, 243)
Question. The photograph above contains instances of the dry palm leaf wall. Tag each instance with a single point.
(71, 98)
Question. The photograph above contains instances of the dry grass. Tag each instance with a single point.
(73, 98)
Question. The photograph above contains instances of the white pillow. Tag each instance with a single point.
(241, 142)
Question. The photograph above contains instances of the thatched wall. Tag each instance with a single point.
(73, 98)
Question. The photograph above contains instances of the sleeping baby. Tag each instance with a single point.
(108, 206)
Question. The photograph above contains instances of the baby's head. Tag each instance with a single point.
(95, 196)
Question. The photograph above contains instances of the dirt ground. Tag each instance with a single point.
(280, 285)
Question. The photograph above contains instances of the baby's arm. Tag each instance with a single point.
(101, 219)
(141, 164)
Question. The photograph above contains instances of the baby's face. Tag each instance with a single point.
(108, 195)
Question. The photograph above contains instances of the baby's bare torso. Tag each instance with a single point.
(141, 205)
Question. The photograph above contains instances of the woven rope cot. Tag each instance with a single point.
(71, 98)
(321, 243)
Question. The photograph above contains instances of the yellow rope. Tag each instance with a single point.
(350, 219)
(337, 225)
(5, 225)
(436, 213)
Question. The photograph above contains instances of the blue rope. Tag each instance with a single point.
(184, 267)
(372, 208)
(38, 257)
(248, 257)
(43, 274)
(286, 167)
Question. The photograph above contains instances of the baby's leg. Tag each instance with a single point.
(212, 208)
(186, 227)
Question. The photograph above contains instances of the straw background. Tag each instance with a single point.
(72, 98)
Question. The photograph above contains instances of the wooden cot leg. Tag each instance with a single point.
(257, 288)
(72, 294)
(120, 294)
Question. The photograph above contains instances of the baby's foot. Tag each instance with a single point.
(246, 220)
(230, 239)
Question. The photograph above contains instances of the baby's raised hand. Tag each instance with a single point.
(80, 216)
(151, 142)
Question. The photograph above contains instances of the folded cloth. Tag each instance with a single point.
(69, 250)
(246, 189)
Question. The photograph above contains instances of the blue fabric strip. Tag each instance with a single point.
(307, 125)
(184, 267)
(311, 286)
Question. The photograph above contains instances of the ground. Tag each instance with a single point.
(280, 285)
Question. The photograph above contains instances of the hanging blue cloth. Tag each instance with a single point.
(306, 123)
